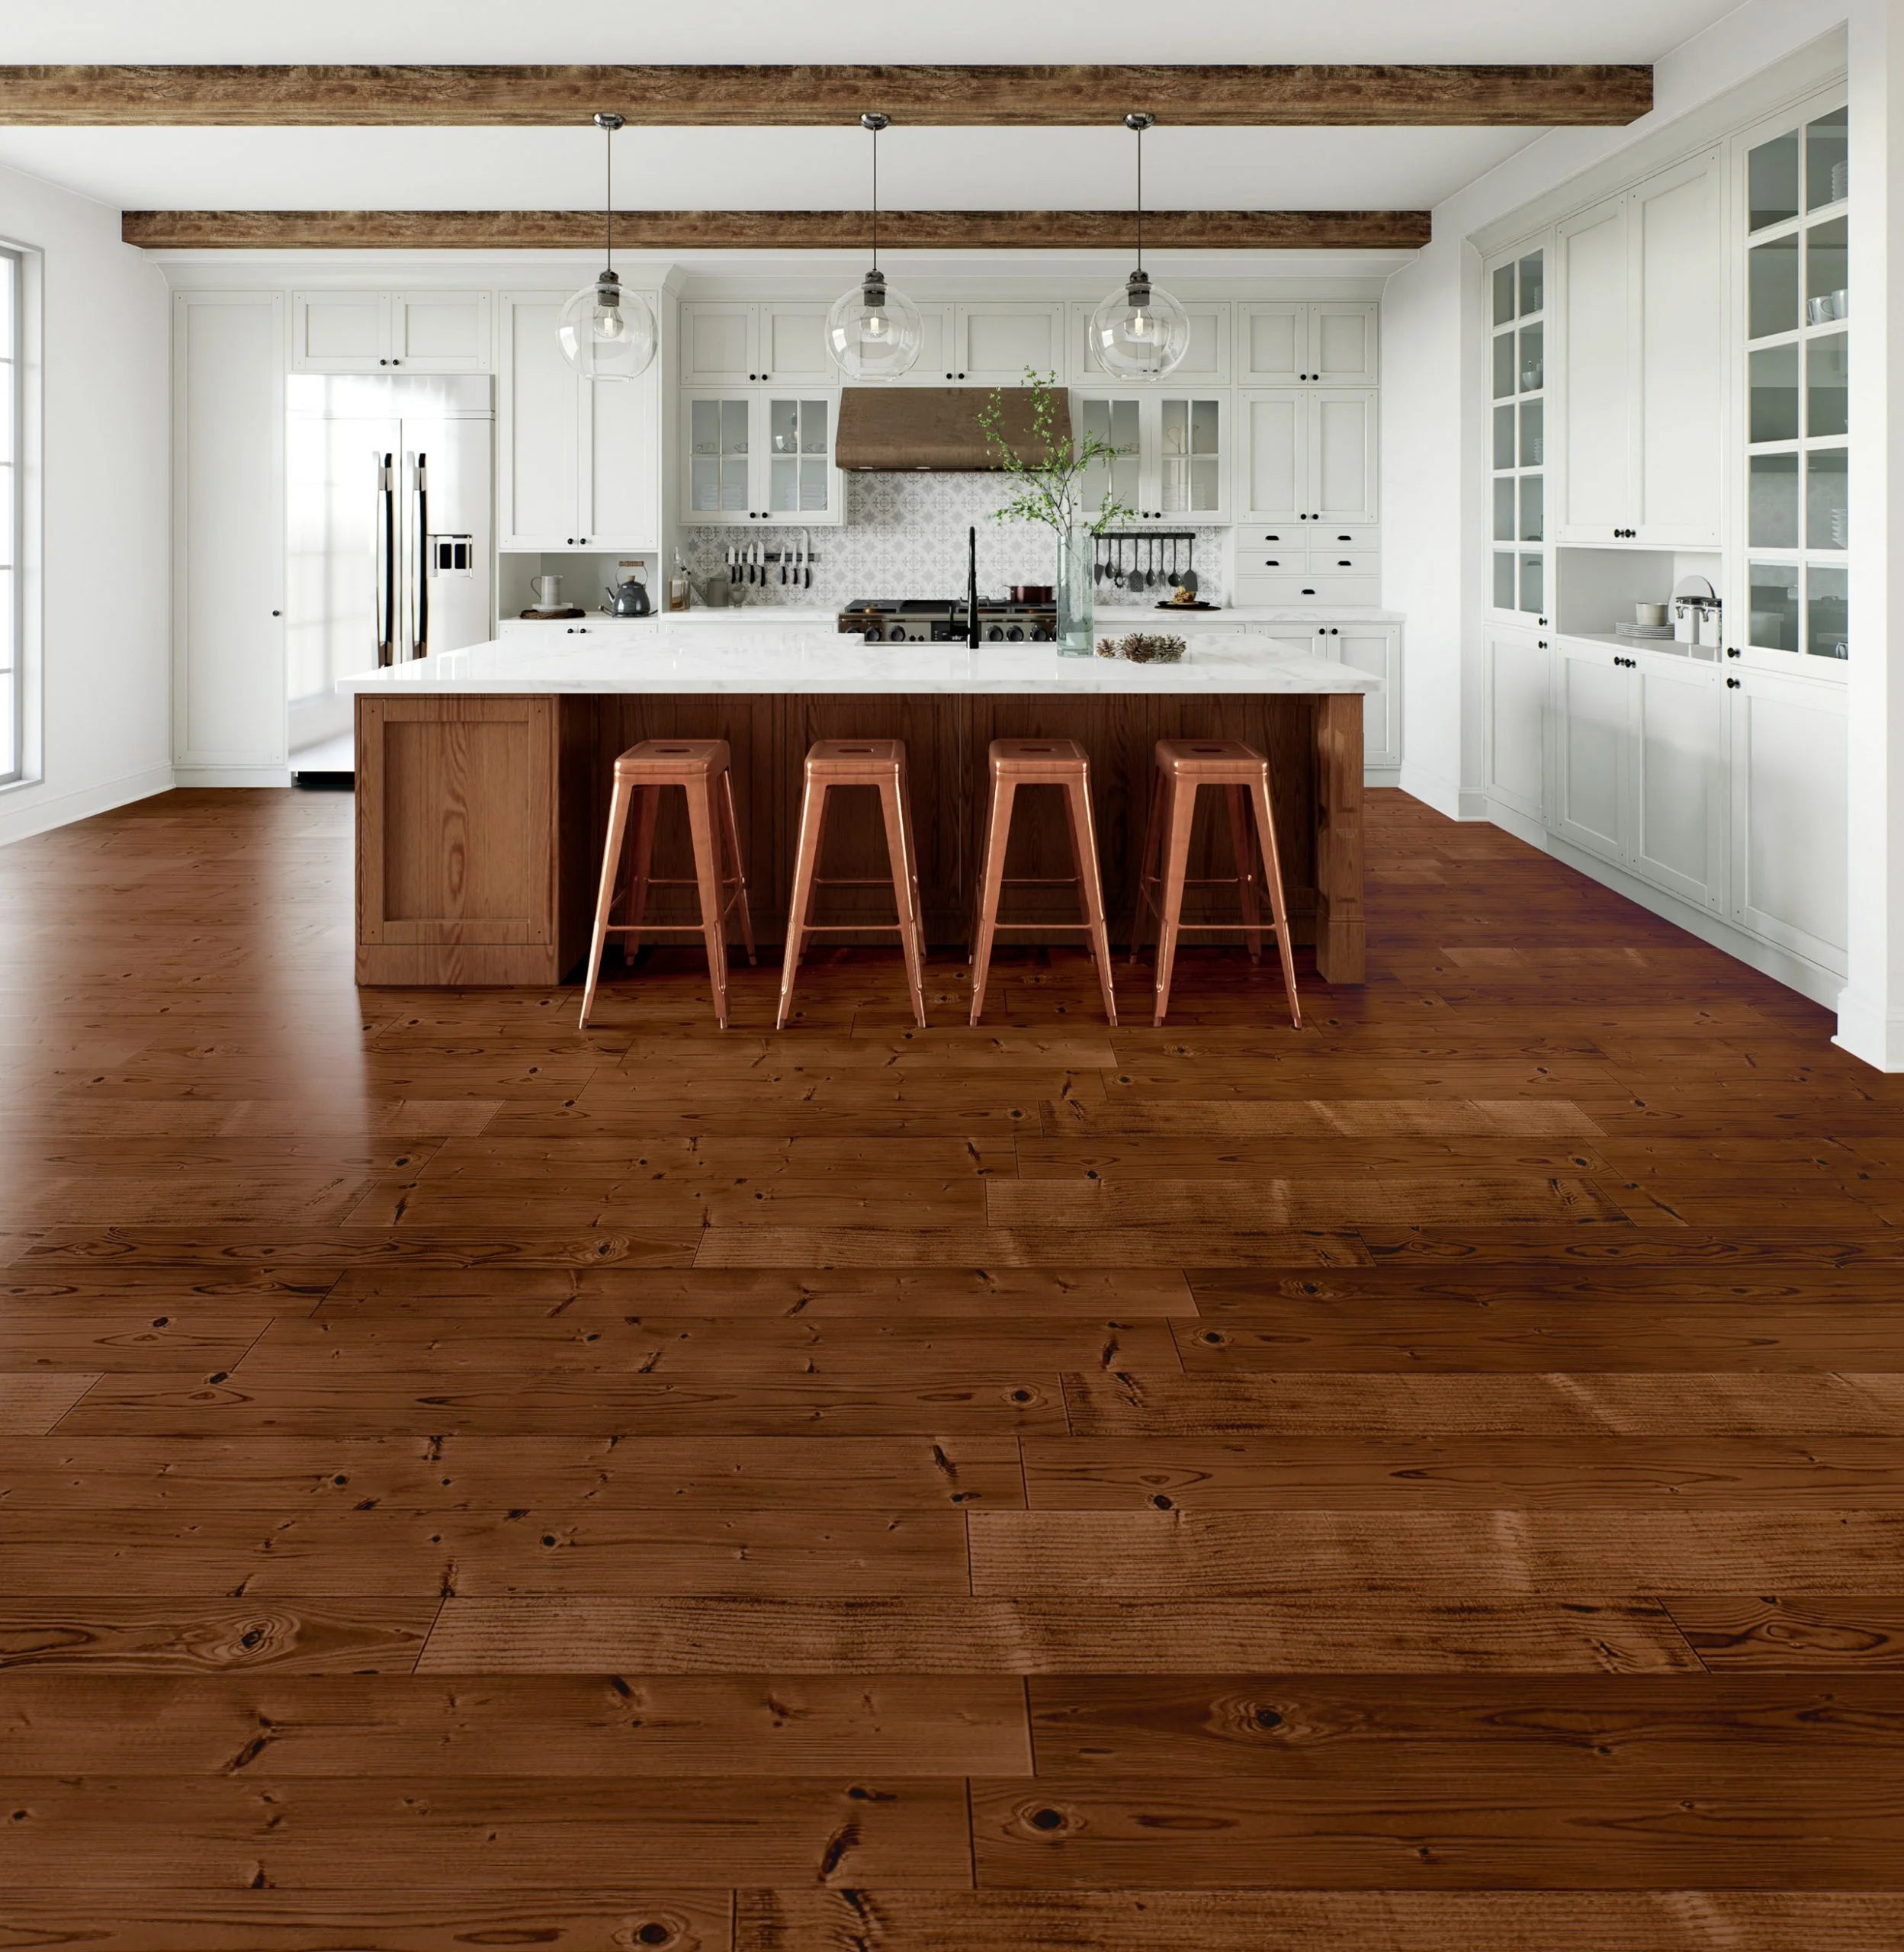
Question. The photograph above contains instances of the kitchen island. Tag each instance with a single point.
(483, 778)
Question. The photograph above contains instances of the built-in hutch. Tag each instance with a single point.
(1665, 373)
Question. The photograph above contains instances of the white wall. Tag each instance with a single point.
(1432, 482)
(104, 657)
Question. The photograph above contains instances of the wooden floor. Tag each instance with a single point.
(1433, 1482)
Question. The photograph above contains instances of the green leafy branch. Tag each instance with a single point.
(1051, 490)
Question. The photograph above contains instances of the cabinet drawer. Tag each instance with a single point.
(1344, 536)
(1303, 588)
(1343, 561)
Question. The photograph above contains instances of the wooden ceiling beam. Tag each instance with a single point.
(744, 96)
(772, 230)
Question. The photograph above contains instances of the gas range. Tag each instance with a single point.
(925, 620)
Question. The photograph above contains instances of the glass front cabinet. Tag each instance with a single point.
(1519, 570)
(1172, 461)
(761, 458)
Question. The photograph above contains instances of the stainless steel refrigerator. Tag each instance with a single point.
(387, 513)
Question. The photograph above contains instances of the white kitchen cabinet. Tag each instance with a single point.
(1309, 456)
(578, 463)
(1341, 484)
(1789, 813)
(1640, 765)
(1206, 358)
(228, 533)
(1332, 342)
(933, 367)
(370, 332)
(1640, 364)
(1373, 648)
(1275, 427)
(1517, 686)
(756, 457)
(1173, 461)
(995, 345)
(742, 344)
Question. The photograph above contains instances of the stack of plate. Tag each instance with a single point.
(1645, 631)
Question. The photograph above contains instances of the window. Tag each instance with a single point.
(12, 695)
(1517, 459)
(1797, 378)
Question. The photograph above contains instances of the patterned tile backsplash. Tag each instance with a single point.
(905, 536)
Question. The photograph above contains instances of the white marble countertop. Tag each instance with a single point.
(770, 662)
(808, 617)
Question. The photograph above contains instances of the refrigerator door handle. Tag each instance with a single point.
(420, 587)
(383, 554)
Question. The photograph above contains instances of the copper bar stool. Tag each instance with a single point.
(880, 763)
(1243, 775)
(1062, 763)
(699, 766)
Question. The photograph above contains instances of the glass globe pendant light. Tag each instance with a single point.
(872, 332)
(606, 333)
(1138, 332)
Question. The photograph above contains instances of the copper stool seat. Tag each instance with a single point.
(699, 767)
(1064, 764)
(879, 763)
(1242, 775)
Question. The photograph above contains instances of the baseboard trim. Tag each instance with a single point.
(1809, 979)
(1444, 795)
(33, 815)
(1869, 1032)
(233, 775)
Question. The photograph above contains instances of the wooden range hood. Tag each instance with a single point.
(935, 430)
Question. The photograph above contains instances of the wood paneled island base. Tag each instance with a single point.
(480, 816)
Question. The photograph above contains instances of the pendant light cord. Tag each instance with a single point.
(1140, 199)
(608, 215)
(876, 199)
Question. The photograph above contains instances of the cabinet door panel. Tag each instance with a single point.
(1681, 287)
(934, 367)
(1678, 779)
(442, 331)
(1275, 444)
(1375, 649)
(623, 473)
(1590, 739)
(1518, 681)
(1597, 483)
(539, 425)
(997, 343)
(718, 343)
(793, 343)
(340, 331)
(1342, 461)
(1273, 344)
(1207, 358)
(1342, 342)
(1789, 815)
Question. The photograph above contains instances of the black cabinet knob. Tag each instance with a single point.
(1732, 650)
(1732, 684)
(1542, 645)
(277, 613)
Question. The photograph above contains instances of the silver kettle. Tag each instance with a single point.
(628, 599)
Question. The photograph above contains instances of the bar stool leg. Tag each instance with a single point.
(813, 814)
(1243, 848)
(647, 812)
(1153, 840)
(703, 827)
(1179, 805)
(730, 831)
(1077, 806)
(905, 888)
(998, 834)
(1279, 905)
(604, 899)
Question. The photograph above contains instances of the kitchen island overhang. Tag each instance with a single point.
(483, 780)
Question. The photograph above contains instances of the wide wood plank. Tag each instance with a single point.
(213, 1637)
(32, 1401)
(1738, 1632)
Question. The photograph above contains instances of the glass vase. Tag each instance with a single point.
(1072, 589)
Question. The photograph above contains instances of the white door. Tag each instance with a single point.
(998, 344)
(792, 436)
(1591, 712)
(793, 344)
(1376, 650)
(1276, 461)
(1517, 683)
(719, 345)
(621, 467)
(1342, 343)
(340, 332)
(718, 483)
(933, 367)
(441, 332)
(1272, 344)
(1788, 815)
(1116, 421)
(537, 470)
(228, 529)
(1188, 456)
(1676, 775)
(1342, 458)
(1275, 443)
(1679, 276)
(1597, 494)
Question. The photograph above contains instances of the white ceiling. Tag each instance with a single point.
(848, 30)
(160, 169)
